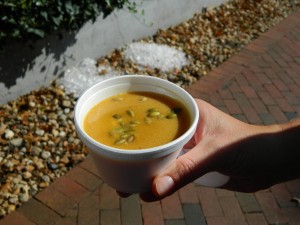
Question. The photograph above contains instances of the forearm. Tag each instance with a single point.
(277, 152)
(289, 145)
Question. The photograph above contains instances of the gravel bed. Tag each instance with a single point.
(38, 142)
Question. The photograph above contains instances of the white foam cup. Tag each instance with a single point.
(132, 171)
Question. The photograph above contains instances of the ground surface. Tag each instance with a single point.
(260, 84)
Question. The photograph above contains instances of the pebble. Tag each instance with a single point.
(40, 132)
(9, 134)
(66, 103)
(36, 151)
(32, 104)
(17, 142)
(55, 132)
(46, 178)
(36, 145)
(46, 154)
(24, 197)
(52, 166)
(13, 199)
(27, 175)
(62, 134)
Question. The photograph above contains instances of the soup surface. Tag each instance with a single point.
(137, 120)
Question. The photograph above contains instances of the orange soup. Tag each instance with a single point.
(137, 120)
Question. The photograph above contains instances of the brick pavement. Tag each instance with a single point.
(259, 85)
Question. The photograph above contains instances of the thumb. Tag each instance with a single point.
(182, 171)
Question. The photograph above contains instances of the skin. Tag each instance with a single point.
(255, 157)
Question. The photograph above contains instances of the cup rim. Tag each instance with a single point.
(175, 142)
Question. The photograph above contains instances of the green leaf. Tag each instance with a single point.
(37, 32)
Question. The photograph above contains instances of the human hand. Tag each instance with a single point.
(231, 147)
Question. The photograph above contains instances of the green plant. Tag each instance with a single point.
(32, 19)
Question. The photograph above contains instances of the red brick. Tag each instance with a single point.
(262, 78)
(88, 211)
(175, 222)
(152, 214)
(267, 118)
(281, 62)
(256, 219)
(241, 80)
(242, 57)
(273, 91)
(284, 105)
(224, 193)
(252, 116)
(291, 72)
(188, 194)
(258, 105)
(249, 91)
(256, 47)
(216, 100)
(229, 69)
(294, 223)
(108, 197)
(254, 81)
(297, 110)
(213, 81)
(242, 100)
(270, 208)
(285, 78)
(89, 165)
(266, 98)
(16, 218)
(277, 114)
(232, 106)
(274, 34)
(280, 85)
(209, 202)
(293, 214)
(270, 71)
(171, 207)
(198, 90)
(216, 74)
(84, 178)
(70, 218)
(295, 89)
(196, 93)
(286, 56)
(291, 98)
(248, 202)
(293, 186)
(223, 109)
(39, 213)
(221, 220)
(234, 87)
(232, 210)
(55, 200)
(111, 217)
(225, 94)
(267, 58)
(241, 117)
(282, 195)
(193, 214)
(262, 63)
(70, 188)
(131, 211)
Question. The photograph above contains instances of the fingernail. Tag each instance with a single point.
(164, 185)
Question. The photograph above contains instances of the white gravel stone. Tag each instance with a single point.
(9, 134)
(46, 154)
(17, 142)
